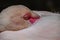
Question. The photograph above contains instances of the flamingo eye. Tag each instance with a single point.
(27, 16)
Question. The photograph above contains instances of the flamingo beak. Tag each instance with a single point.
(31, 17)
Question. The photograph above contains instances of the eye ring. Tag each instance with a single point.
(27, 16)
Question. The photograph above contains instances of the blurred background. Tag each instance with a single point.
(41, 5)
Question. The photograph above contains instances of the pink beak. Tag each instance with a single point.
(30, 17)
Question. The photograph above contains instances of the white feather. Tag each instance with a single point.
(46, 28)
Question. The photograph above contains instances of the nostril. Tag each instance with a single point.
(27, 16)
(36, 17)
